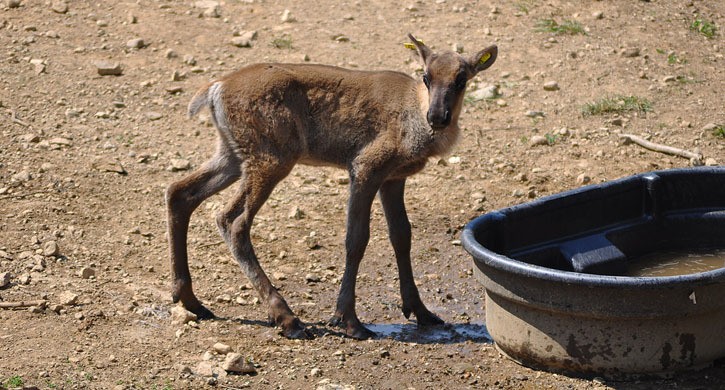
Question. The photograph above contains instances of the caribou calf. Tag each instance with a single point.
(380, 126)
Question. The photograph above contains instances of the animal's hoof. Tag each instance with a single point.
(427, 318)
(352, 329)
(202, 313)
(295, 330)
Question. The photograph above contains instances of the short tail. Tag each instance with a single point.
(199, 101)
(210, 96)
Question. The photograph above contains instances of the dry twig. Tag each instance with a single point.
(21, 304)
(695, 158)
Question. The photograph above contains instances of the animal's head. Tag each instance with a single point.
(445, 75)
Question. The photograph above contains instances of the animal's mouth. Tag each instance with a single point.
(438, 127)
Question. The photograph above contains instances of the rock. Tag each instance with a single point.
(106, 68)
(241, 42)
(457, 47)
(534, 114)
(5, 279)
(296, 213)
(67, 298)
(87, 272)
(669, 79)
(485, 92)
(287, 17)
(551, 86)
(179, 164)
(29, 138)
(60, 141)
(24, 279)
(135, 43)
(583, 179)
(598, 15)
(181, 316)
(13, 3)
(107, 164)
(235, 362)
(312, 278)
(22, 177)
(711, 162)
(154, 116)
(538, 140)
(312, 242)
(38, 65)
(174, 90)
(630, 52)
(50, 248)
(222, 349)
(59, 7)
(315, 372)
(710, 127)
(205, 368)
(244, 39)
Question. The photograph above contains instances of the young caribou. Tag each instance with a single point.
(380, 126)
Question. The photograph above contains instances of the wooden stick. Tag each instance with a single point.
(695, 158)
(20, 304)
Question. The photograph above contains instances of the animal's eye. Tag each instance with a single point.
(426, 80)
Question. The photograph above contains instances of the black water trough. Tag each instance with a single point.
(555, 297)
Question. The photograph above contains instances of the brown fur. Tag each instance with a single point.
(379, 126)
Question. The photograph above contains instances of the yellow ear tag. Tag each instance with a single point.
(484, 58)
(411, 45)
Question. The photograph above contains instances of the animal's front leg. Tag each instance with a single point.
(392, 197)
(356, 240)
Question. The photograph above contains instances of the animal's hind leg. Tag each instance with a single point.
(182, 198)
(392, 198)
(259, 177)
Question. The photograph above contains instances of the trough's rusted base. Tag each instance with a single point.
(612, 348)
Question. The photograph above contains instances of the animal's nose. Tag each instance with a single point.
(438, 118)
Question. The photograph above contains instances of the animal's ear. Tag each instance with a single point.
(423, 50)
(483, 59)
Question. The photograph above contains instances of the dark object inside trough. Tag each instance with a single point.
(555, 297)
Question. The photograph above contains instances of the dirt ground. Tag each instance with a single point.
(85, 160)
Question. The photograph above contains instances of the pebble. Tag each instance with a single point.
(87, 272)
(551, 86)
(204, 368)
(669, 79)
(50, 248)
(711, 162)
(13, 3)
(136, 43)
(108, 164)
(179, 164)
(60, 141)
(181, 316)
(583, 179)
(538, 140)
(534, 114)
(106, 68)
(241, 42)
(67, 298)
(235, 362)
(312, 278)
(485, 92)
(598, 15)
(296, 213)
(60, 7)
(630, 52)
(287, 17)
(24, 279)
(4, 279)
(222, 348)
(154, 116)
(709, 128)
